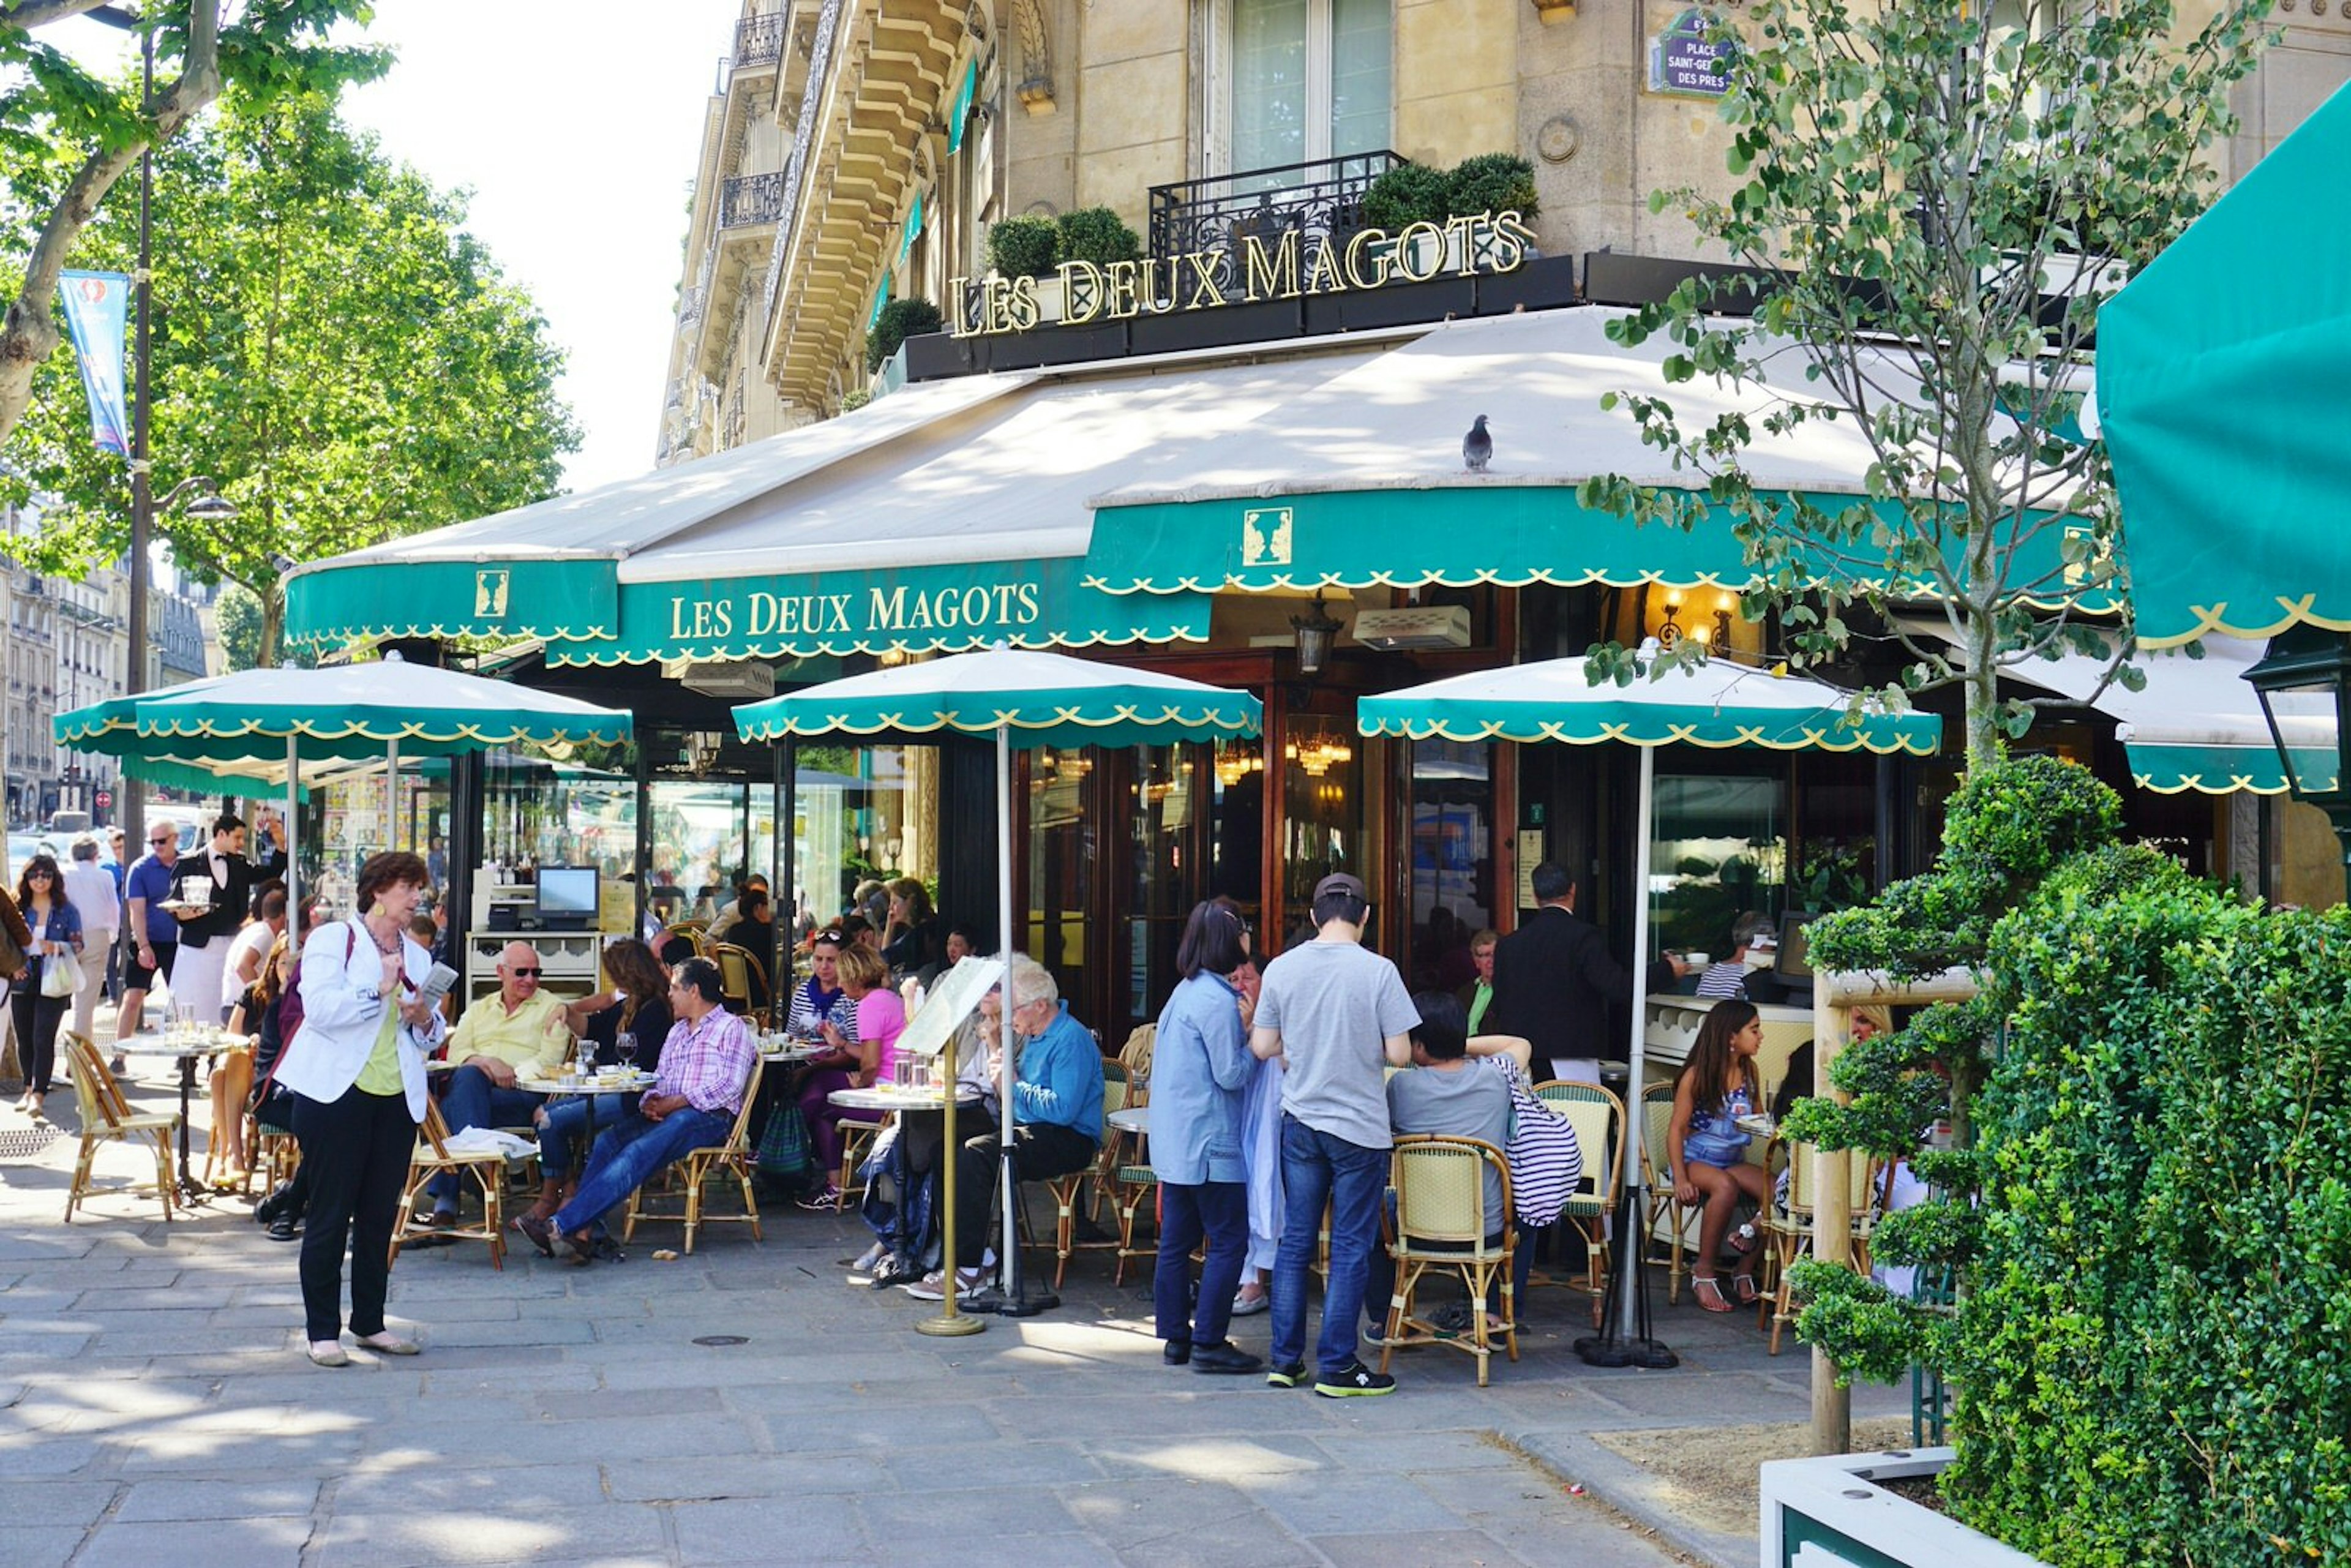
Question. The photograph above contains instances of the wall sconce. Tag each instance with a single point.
(1316, 633)
(1669, 630)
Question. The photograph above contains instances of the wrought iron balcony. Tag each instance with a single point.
(1317, 199)
(751, 199)
(759, 40)
(690, 306)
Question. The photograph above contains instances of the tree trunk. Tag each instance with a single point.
(28, 333)
(273, 624)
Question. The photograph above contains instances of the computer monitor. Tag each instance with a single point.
(566, 897)
(1795, 959)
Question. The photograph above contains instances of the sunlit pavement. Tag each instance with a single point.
(155, 1408)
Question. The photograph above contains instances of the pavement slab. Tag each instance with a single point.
(155, 1409)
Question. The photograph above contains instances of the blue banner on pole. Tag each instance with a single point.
(96, 306)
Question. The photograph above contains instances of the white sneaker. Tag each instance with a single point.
(933, 1286)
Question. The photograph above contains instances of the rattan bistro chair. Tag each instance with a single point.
(431, 1158)
(107, 1116)
(1656, 1161)
(694, 1170)
(1441, 1223)
(1598, 1118)
(741, 978)
(1790, 1232)
(1090, 1188)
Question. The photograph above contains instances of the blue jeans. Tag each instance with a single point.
(628, 1153)
(569, 1125)
(1318, 1167)
(471, 1100)
(1218, 1210)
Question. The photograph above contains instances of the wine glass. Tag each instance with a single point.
(625, 1046)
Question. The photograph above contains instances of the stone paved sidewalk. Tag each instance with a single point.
(155, 1409)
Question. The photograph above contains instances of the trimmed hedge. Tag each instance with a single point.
(900, 320)
(2154, 1225)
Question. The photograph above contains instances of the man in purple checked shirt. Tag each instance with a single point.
(705, 1065)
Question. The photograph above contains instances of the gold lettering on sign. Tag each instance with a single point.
(1274, 276)
(1281, 266)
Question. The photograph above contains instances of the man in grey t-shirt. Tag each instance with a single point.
(1338, 1015)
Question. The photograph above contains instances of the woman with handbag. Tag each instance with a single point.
(357, 1072)
(53, 969)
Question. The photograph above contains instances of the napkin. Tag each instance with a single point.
(489, 1140)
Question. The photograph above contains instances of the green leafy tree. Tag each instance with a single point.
(93, 129)
(331, 348)
(1933, 200)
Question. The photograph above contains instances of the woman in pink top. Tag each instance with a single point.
(858, 1064)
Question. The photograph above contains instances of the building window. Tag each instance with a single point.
(1295, 81)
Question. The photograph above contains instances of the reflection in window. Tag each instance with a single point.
(1452, 858)
(1719, 848)
(1309, 79)
(1321, 818)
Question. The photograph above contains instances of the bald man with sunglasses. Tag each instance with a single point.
(522, 1032)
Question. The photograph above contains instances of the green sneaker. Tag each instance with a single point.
(1286, 1376)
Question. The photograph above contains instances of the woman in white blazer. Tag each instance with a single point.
(357, 1069)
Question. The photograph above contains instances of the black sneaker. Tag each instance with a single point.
(284, 1228)
(1352, 1380)
(1289, 1376)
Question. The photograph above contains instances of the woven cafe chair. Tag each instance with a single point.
(433, 1157)
(106, 1118)
(1656, 1161)
(1598, 1118)
(1135, 1057)
(1789, 1233)
(1093, 1185)
(693, 1171)
(1441, 1223)
(738, 970)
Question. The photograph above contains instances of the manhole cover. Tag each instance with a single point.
(723, 1339)
(26, 1143)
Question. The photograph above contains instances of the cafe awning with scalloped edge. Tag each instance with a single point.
(1359, 482)
(2224, 404)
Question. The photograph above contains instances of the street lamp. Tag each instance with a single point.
(2305, 686)
(1316, 633)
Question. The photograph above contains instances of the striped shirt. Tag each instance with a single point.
(1545, 1161)
(709, 1061)
(809, 1012)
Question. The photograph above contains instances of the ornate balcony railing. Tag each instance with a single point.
(1318, 200)
(751, 199)
(690, 306)
(759, 40)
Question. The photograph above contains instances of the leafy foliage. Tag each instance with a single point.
(330, 346)
(900, 320)
(92, 128)
(1097, 234)
(1407, 194)
(1928, 197)
(2154, 1223)
(1025, 245)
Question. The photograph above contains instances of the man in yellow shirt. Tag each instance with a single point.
(520, 1032)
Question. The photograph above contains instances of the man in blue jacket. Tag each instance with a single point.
(1056, 1117)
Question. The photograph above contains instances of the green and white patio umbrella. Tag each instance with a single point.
(1025, 699)
(261, 727)
(1719, 703)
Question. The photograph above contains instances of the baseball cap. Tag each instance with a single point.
(1340, 882)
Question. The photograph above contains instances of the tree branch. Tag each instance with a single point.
(27, 14)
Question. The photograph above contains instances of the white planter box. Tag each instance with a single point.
(1827, 1513)
(1050, 306)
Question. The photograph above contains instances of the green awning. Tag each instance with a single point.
(2169, 768)
(1454, 534)
(556, 600)
(915, 609)
(1720, 703)
(2224, 404)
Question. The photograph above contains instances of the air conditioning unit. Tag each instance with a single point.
(729, 680)
(1416, 626)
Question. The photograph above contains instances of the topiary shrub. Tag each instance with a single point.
(1407, 194)
(900, 320)
(1024, 246)
(1491, 182)
(2153, 1225)
(1099, 236)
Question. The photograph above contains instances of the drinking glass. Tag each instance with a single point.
(922, 1079)
(625, 1046)
(903, 1073)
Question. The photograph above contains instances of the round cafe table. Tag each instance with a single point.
(614, 1083)
(890, 1098)
(187, 1053)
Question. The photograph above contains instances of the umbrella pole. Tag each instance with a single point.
(291, 834)
(1626, 1341)
(952, 1321)
(1012, 1298)
(391, 794)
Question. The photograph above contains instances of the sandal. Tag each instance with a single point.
(1709, 1291)
(1743, 1290)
